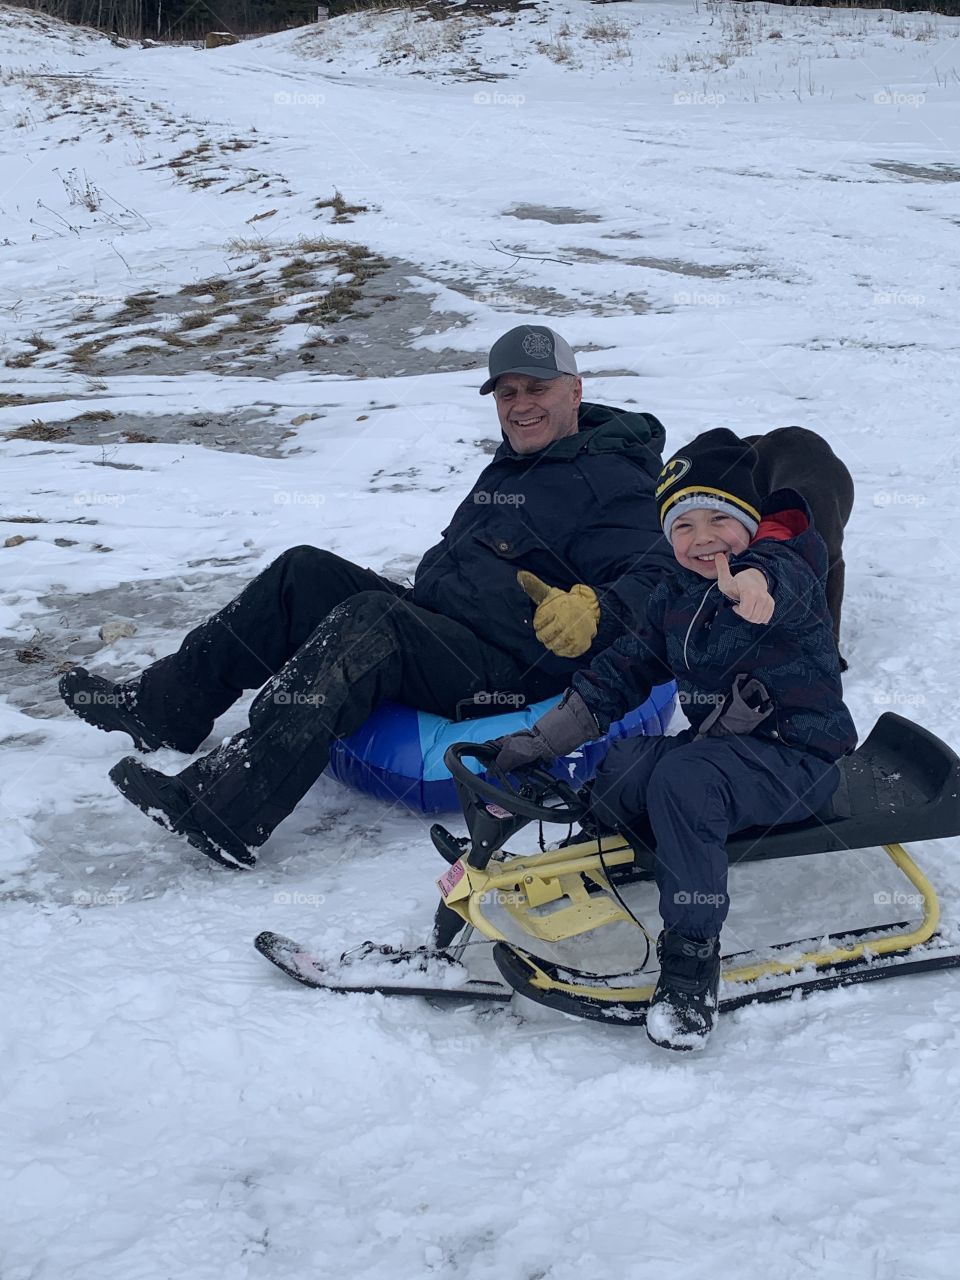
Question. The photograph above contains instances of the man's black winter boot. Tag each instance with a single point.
(173, 806)
(108, 706)
(683, 1010)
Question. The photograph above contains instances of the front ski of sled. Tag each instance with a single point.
(298, 962)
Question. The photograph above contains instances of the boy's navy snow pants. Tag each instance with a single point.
(696, 791)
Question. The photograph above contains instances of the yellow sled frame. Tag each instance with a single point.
(525, 885)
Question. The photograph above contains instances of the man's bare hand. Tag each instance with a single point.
(748, 588)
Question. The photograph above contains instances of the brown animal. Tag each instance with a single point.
(796, 458)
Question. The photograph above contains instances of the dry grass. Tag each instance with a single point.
(342, 211)
(557, 50)
(136, 306)
(84, 352)
(296, 269)
(217, 287)
(209, 339)
(418, 39)
(94, 415)
(203, 165)
(606, 31)
(32, 652)
(197, 320)
(37, 430)
(243, 244)
(234, 312)
(340, 301)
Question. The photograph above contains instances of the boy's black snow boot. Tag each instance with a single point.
(108, 706)
(683, 1010)
(173, 806)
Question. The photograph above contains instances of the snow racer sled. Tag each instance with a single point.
(902, 785)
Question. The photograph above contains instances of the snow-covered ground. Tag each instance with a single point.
(741, 215)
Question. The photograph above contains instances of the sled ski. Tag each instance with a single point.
(306, 967)
(611, 998)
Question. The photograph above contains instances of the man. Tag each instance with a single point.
(566, 500)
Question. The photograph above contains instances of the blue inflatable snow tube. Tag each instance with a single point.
(397, 755)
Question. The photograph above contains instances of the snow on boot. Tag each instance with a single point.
(107, 706)
(173, 806)
(683, 1009)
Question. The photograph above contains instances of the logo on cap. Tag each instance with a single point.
(538, 346)
(674, 470)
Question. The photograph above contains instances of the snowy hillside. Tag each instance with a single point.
(245, 299)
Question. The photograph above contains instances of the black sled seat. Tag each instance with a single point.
(902, 785)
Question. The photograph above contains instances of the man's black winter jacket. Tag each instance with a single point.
(581, 510)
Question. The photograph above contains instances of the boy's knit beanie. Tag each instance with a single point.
(714, 470)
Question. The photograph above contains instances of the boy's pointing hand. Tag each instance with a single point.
(748, 588)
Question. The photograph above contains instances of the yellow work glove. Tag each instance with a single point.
(565, 621)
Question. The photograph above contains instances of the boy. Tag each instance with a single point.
(743, 626)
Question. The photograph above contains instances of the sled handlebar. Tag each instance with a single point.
(524, 793)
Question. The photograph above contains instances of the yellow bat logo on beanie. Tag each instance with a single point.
(673, 471)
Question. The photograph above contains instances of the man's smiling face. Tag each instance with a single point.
(534, 412)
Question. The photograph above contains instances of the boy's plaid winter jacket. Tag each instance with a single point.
(692, 633)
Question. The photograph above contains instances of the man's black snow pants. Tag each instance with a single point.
(328, 641)
(695, 792)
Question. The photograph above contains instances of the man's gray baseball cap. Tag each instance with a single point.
(532, 349)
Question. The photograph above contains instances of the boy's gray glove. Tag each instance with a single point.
(566, 726)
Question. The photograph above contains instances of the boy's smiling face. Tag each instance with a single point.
(698, 535)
